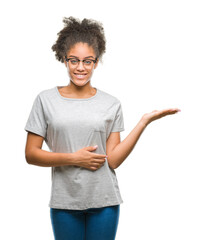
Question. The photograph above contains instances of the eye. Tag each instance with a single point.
(88, 62)
(74, 61)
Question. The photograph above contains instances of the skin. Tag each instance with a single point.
(76, 87)
(116, 150)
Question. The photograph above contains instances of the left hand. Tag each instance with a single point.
(156, 114)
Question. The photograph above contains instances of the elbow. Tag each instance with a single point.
(28, 157)
(112, 165)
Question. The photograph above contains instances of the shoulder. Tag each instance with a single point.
(46, 93)
(107, 97)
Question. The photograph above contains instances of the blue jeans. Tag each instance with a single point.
(89, 224)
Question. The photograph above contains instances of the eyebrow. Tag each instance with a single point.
(85, 57)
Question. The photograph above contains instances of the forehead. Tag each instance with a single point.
(81, 50)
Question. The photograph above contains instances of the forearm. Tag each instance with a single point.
(44, 158)
(124, 148)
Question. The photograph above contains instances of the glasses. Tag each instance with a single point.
(86, 62)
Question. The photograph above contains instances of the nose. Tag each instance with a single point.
(80, 66)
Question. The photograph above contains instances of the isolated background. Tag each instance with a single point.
(154, 60)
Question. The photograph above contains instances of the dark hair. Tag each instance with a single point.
(87, 31)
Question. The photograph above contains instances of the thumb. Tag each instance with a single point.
(91, 148)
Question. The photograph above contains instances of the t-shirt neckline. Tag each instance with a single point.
(75, 99)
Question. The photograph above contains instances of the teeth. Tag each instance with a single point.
(80, 76)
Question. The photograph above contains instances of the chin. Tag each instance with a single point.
(80, 82)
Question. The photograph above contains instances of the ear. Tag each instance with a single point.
(96, 64)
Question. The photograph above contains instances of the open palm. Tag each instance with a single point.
(156, 114)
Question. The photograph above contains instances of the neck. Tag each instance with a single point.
(80, 91)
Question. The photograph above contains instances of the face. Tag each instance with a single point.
(80, 73)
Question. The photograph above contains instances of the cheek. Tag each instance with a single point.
(70, 71)
(91, 71)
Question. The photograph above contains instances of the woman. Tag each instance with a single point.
(81, 126)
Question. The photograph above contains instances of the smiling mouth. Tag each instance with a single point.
(80, 76)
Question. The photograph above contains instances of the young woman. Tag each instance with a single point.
(81, 125)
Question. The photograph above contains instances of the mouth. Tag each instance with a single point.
(80, 76)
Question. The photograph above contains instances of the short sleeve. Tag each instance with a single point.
(36, 122)
(118, 124)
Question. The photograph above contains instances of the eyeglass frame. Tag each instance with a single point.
(67, 59)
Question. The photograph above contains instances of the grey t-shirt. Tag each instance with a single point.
(67, 125)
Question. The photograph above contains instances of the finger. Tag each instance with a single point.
(172, 111)
(175, 110)
(162, 113)
(97, 164)
(93, 168)
(99, 156)
(168, 111)
(99, 160)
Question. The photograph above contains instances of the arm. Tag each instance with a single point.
(120, 150)
(36, 156)
(82, 158)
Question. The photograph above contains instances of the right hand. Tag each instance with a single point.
(85, 158)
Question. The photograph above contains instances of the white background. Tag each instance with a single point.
(155, 59)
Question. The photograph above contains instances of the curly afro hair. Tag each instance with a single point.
(87, 31)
